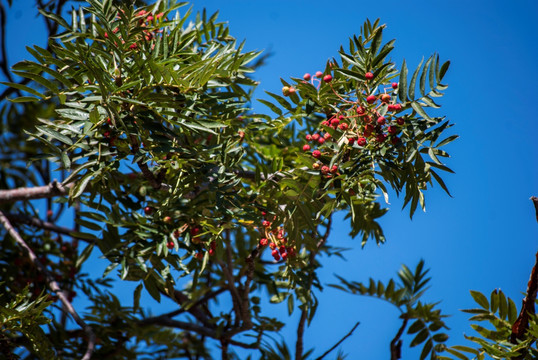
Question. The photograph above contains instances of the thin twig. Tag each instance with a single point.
(339, 342)
(304, 311)
(67, 306)
(46, 225)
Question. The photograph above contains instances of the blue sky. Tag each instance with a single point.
(485, 236)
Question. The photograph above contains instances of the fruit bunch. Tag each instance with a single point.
(370, 121)
(275, 238)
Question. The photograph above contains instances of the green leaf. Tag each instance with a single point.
(24, 88)
(84, 255)
(136, 297)
(271, 106)
(412, 85)
(54, 134)
(419, 339)
(416, 106)
(402, 85)
(480, 299)
(426, 349)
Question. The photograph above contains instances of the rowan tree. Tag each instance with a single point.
(136, 122)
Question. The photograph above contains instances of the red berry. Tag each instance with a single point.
(343, 126)
(324, 169)
(315, 166)
(316, 154)
(381, 120)
(308, 137)
(266, 223)
(167, 219)
(361, 141)
(133, 46)
(50, 213)
(315, 137)
(176, 234)
(397, 107)
(211, 252)
(272, 246)
(334, 169)
(264, 242)
(282, 249)
(195, 231)
(292, 90)
(307, 76)
(394, 85)
(275, 253)
(170, 245)
(400, 121)
(369, 76)
(264, 213)
(385, 98)
(335, 122)
(325, 123)
(392, 130)
(326, 136)
(284, 256)
(199, 255)
(381, 137)
(351, 141)
(327, 78)
(148, 210)
(319, 74)
(321, 140)
(395, 140)
(306, 147)
(360, 110)
(371, 99)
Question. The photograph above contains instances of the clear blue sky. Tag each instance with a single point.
(483, 238)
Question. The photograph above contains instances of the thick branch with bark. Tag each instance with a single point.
(521, 325)
(67, 306)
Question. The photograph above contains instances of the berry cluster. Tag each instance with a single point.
(276, 239)
(366, 122)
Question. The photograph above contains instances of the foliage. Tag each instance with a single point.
(144, 115)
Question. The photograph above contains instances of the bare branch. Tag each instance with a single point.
(67, 306)
(339, 342)
(36, 192)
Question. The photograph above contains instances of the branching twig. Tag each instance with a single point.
(67, 306)
(339, 342)
(396, 343)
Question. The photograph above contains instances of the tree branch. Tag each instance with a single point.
(36, 192)
(521, 325)
(396, 343)
(36, 222)
(304, 312)
(67, 306)
(339, 342)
